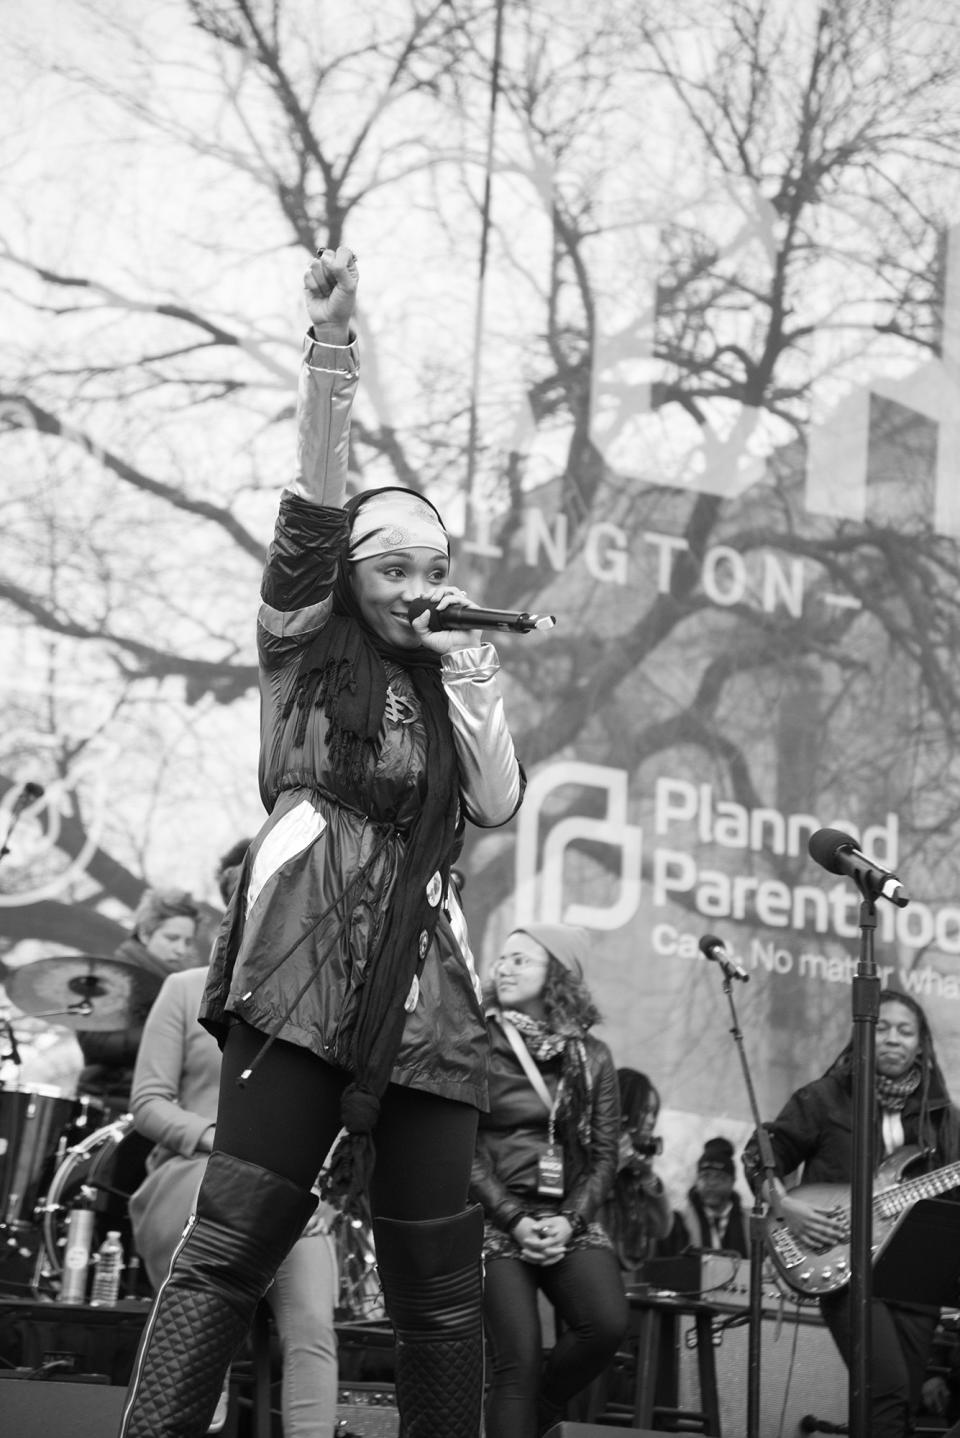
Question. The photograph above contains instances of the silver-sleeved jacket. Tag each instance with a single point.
(284, 935)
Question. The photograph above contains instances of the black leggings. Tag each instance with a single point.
(587, 1294)
(287, 1116)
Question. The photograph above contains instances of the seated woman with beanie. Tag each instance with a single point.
(546, 1157)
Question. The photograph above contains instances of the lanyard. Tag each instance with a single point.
(532, 1072)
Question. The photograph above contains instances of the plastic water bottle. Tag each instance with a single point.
(76, 1255)
(106, 1275)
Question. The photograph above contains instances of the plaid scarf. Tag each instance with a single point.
(892, 1093)
(576, 1095)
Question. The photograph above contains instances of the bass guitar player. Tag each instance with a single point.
(813, 1135)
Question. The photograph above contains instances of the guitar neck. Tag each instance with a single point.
(813, 1271)
(894, 1200)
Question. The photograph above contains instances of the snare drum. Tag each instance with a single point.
(102, 1172)
(37, 1126)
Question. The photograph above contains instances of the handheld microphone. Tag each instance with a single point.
(716, 950)
(471, 616)
(837, 852)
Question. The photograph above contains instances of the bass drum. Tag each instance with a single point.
(100, 1173)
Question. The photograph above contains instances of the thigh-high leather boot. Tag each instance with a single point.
(246, 1221)
(433, 1288)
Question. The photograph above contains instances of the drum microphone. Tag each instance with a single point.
(28, 795)
(14, 1054)
(471, 616)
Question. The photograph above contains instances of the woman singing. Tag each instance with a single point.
(337, 988)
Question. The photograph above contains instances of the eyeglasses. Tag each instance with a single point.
(517, 961)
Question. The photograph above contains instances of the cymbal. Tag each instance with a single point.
(83, 991)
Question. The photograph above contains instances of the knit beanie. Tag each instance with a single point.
(567, 944)
(717, 1153)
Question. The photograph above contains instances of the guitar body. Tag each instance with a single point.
(811, 1271)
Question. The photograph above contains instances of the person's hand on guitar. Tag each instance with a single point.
(816, 1228)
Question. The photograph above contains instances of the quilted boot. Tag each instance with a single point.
(433, 1289)
(247, 1220)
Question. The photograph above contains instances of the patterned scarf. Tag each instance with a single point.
(544, 1044)
(892, 1093)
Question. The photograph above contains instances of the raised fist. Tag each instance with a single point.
(330, 287)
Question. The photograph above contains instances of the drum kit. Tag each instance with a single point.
(58, 1152)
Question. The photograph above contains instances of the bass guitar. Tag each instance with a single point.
(810, 1270)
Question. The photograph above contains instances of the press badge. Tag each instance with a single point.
(550, 1172)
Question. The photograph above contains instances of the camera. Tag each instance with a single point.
(648, 1147)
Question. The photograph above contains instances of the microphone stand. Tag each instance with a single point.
(14, 820)
(14, 1055)
(757, 1240)
(865, 1009)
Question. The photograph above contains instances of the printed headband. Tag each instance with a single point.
(397, 519)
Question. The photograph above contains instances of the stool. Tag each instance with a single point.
(653, 1335)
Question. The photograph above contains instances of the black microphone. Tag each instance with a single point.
(28, 794)
(14, 1054)
(837, 852)
(471, 616)
(716, 950)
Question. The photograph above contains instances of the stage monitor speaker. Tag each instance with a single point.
(597, 1430)
(37, 1409)
(800, 1372)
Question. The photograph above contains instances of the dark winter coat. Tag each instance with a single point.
(692, 1228)
(815, 1128)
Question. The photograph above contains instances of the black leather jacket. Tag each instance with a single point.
(513, 1134)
